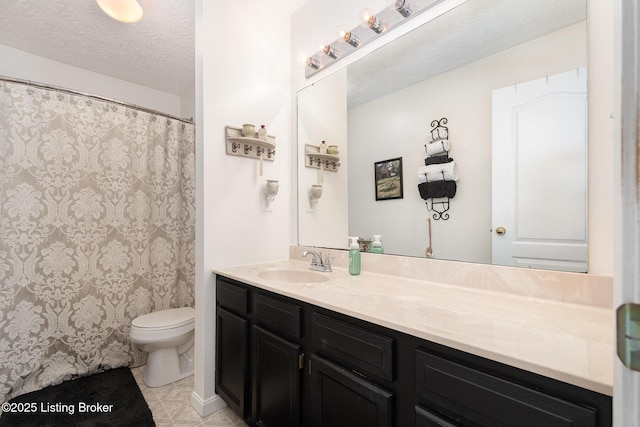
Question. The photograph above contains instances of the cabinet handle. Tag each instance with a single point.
(301, 361)
(309, 367)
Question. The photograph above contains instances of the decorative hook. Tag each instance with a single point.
(439, 213)
(439, 130)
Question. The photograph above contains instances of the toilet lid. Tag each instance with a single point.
(172, 318)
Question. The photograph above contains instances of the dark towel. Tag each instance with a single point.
(433, 160)
(437, 189)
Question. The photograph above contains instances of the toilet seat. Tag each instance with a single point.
(165, 319)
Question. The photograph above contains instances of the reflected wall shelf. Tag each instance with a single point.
(329, 162)
(240, 145)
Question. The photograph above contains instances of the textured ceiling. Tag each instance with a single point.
(157, 52)
(473, 30)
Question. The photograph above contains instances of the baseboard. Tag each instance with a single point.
(208, 406)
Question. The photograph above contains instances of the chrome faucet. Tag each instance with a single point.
(317, 263)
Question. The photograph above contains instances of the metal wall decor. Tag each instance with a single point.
(437, 178)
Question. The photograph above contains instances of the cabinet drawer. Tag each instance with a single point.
(367, 352)
(426, 418)
(232, 296)
(281, 316)
(488, 400)
(341, 399)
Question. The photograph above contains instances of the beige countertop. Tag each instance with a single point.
(573, 343)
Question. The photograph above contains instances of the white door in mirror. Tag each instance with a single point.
(542, 202)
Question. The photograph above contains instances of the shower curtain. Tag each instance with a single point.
(97, 226)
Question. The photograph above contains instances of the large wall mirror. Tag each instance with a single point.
(510, 78)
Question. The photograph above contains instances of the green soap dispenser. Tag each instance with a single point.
(376, 245)
(354, 257)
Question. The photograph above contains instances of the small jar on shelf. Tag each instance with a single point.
(262, 133)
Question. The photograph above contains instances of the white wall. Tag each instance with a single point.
(26, 66)
(318, 20)
(463, 96)
(242, 76)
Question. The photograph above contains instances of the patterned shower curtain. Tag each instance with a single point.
(97, 226)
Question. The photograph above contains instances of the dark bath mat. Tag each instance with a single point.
(110, 398)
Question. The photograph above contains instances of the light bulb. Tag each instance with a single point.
(312, 63)
(365, 14)
(370, 20)
(375, 24)
(350, 38)
(330, 51)
(302, 58)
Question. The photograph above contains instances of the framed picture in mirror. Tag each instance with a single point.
(388, 179)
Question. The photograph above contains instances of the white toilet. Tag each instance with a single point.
(167, 336)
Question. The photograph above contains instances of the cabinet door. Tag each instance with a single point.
(232, 379)
(276, 380)
(342, 399)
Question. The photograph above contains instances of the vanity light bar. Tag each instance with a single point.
(372, 26)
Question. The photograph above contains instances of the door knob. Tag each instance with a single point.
(500, 231)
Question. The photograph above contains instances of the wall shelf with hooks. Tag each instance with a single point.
(240, 145)
(329, 162)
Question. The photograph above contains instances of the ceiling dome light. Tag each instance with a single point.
(128, 11)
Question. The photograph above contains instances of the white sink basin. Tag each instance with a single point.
(293, 276)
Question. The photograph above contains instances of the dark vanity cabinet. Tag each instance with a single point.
(259, 358)
(282, 362)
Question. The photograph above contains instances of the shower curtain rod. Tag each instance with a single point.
(90, 95)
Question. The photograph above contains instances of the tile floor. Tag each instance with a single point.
(171, 405)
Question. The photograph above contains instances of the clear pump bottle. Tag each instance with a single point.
(354, 257)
